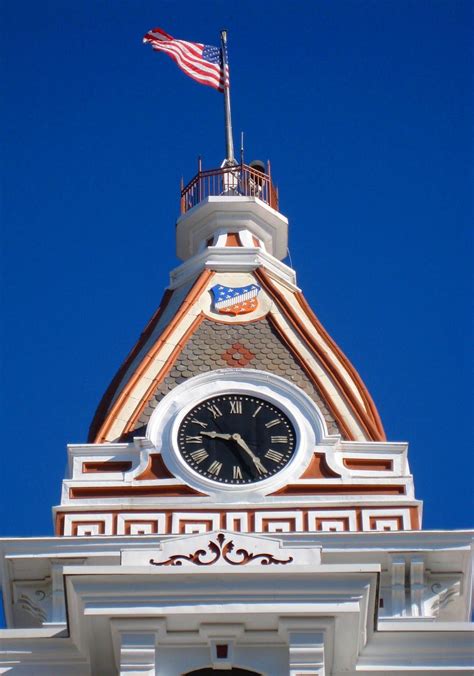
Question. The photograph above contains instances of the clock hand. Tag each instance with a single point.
(213, 435)
(242, 444)
(236, 437)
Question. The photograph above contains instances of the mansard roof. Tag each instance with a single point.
(187, 337)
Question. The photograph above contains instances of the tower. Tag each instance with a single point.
(237, 508)
(234, 340)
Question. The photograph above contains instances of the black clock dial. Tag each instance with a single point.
(236, 439)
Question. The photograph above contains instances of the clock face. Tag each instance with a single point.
(236, 439)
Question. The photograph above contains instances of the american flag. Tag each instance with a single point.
(201, 62)
(235, 300)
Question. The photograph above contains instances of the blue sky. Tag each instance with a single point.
(363, 107)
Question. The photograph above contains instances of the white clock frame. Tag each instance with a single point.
(309, 424)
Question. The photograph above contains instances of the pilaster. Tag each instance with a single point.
(306, 646)
(135, 644)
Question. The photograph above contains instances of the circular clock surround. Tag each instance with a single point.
(170, 417)
(236, 438)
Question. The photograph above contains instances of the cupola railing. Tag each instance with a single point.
(240, 180)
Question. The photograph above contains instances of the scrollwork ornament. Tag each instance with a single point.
(221, 550)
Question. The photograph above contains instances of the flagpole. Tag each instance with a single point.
(229, 143)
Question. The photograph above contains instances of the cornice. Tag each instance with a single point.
(412, 540)
(232, 259)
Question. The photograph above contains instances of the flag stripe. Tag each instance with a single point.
(193, 71)
(188, 50)
(192, 67)
(201, 62)
(190, 61)
(159, 34)
(194, 49)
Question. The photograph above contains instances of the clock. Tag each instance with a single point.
(235, 438)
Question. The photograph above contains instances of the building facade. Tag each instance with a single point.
(237, 508)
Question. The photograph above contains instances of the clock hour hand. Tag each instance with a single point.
(258, 463)
(213, 435)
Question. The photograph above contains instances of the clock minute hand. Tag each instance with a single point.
(257, 461)
(213, 435)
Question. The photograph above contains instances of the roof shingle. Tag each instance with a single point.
(216, 345)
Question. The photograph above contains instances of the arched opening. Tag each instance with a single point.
(207, 671)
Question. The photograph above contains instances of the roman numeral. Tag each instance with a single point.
(198, 422)
(261, 469)
(272, 423)
(279, 440)
(214, 410)
(199, 455)
(256, 411)
(235, 406)
(196, 440)
(274, 455)
(215, 467)
(236, 472)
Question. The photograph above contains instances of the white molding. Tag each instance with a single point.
(332, 518)
(194, 522)
(222, 503)
(218, 634)
(232, 259)
(246, 239)
(279, 522)
(92, 518)
(187, 597)
(134, 645)
(266, 545)
(80, 453)
(458, 543)
(137, 517)
(388, 518)
(241, 517)
(231, 214)
(306, 645)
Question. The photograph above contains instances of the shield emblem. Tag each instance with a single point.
(231, 300)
